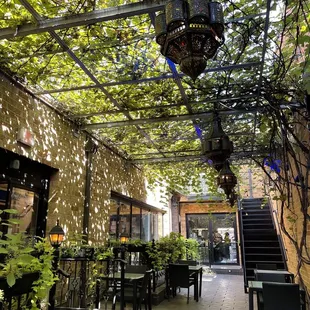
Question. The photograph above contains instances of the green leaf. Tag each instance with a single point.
(26, 258)
(3, 251)
(11, 279)
(11, 211)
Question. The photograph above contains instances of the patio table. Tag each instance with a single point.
(133, 278)
(284, 272)
(257, 286)
(198, 270)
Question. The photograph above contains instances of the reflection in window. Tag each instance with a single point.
(25, 203)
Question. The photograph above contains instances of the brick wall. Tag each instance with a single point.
(56, 146)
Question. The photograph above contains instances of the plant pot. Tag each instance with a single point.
(22, 286)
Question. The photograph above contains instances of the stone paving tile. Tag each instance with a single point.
(219, 292)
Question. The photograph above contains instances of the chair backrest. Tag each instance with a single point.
(178, 275)
(266, 266)
(188, 262)
(269, 277)
(136, 269)
(144, 284)
(284, 296)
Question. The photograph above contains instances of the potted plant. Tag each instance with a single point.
(26, 266)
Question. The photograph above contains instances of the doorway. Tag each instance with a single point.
(24, 187)
(217, 237)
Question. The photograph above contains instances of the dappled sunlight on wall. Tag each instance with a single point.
(110, 172)
(56, 145)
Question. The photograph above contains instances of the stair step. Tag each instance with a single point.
(256, 211)
(263, 231)
(258, 226)
(253, 251)
(253, 263)
(264, 238)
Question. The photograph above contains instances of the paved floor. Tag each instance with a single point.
(219, 292)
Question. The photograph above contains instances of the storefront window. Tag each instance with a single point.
(146, 226)
(136, 223)
(113, 218)
(124, 219)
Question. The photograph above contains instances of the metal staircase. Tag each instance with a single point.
(260, 242)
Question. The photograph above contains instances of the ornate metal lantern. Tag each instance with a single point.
(56, 235)
(217, 146)
(226, 180)
(189, 33)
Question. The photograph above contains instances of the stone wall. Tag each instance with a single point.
(57, 146)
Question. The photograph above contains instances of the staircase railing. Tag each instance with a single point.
(242, 242)
(276, 225)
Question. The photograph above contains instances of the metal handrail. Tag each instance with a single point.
(276, 225)
(242, 242)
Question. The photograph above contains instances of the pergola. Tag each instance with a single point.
(97, 63)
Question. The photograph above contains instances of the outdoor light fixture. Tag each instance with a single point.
(227, 180)
(216, 146)
(56, 235)
(124, 238)
(189, 33)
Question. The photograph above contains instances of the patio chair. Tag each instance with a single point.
(180, 276)
(188, 262)
(266, 266)
(142, 293)
(268, 277)
(136, 268)
(284, 296)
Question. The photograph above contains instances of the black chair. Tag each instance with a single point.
(266, 266)
(268, 277)
(188, 262)
(180, 276)
(281, 296)
(142, 293)
(136, 269)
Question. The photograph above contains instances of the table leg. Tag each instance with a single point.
(134, 304)
(200, 282)
(250, 298)
(196, 287)
(150, 295)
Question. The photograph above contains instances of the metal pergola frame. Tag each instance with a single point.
(143, 7)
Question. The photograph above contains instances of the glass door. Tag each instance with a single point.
(216, 234)
(198, 227)
(223, 239)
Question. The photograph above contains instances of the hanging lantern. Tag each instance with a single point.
(216, 146)
(189, 33)
(226, 180)
(232, 198)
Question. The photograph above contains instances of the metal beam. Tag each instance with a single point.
(166, 106)
(162, 77)
(94, 17)
(61, 42)
(234, 156)
(130, 142)
(172, 118)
